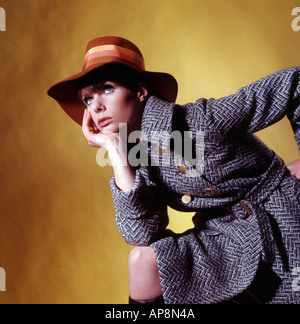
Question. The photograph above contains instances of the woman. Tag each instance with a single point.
(245, 243)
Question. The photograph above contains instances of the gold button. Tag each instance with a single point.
(186, 199)
(183, 169)
(159, 150)
(210, 191)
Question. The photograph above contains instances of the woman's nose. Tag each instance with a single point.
(98, 105)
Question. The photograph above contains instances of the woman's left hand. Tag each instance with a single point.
(294, 168)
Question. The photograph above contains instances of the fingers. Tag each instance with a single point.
(87, 121)
(89, 129)
(91, 132)
(92, 127)
(294, 168)
(88, 124)
(297, 176)
(85, 127)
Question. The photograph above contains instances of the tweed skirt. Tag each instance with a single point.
(207, 265)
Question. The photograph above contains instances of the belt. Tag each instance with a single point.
(241, 211)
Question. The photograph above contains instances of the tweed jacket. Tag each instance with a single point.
(238, 172)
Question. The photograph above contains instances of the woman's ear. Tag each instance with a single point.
(142, 92)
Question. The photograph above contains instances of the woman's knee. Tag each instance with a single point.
(144, 282)
(142, 258)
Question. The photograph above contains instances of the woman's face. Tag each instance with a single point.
(111, 104)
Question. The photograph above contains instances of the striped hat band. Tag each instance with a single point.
(102, 53)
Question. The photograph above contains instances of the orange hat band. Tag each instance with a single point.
(96, 54)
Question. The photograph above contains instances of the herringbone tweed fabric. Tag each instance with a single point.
(220, 257)
(283, 207)
(221, 260)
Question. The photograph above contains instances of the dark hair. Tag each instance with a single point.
(118, 73)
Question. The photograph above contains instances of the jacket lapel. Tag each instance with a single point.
(158, 117)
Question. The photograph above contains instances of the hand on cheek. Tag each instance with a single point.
(294, 168)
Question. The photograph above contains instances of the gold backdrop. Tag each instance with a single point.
(58, 238)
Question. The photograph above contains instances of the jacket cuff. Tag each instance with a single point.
(134, 204)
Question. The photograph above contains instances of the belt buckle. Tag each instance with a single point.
(244, 206)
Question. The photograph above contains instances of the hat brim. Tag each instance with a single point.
(66, 94)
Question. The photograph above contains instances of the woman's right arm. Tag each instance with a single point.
(112, 143)
(140, 215)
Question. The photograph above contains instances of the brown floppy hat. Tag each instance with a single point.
(102, 52)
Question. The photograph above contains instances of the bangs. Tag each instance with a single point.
(89, 90)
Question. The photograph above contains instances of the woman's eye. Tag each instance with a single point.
(88, 101)
(108, 89)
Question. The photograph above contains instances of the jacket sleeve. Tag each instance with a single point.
(257, 105)
(140, 215)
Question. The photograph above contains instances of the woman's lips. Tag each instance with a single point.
(104, 122)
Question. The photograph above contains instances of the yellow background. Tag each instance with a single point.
(58, 238)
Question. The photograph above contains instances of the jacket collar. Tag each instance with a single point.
(157, 117)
